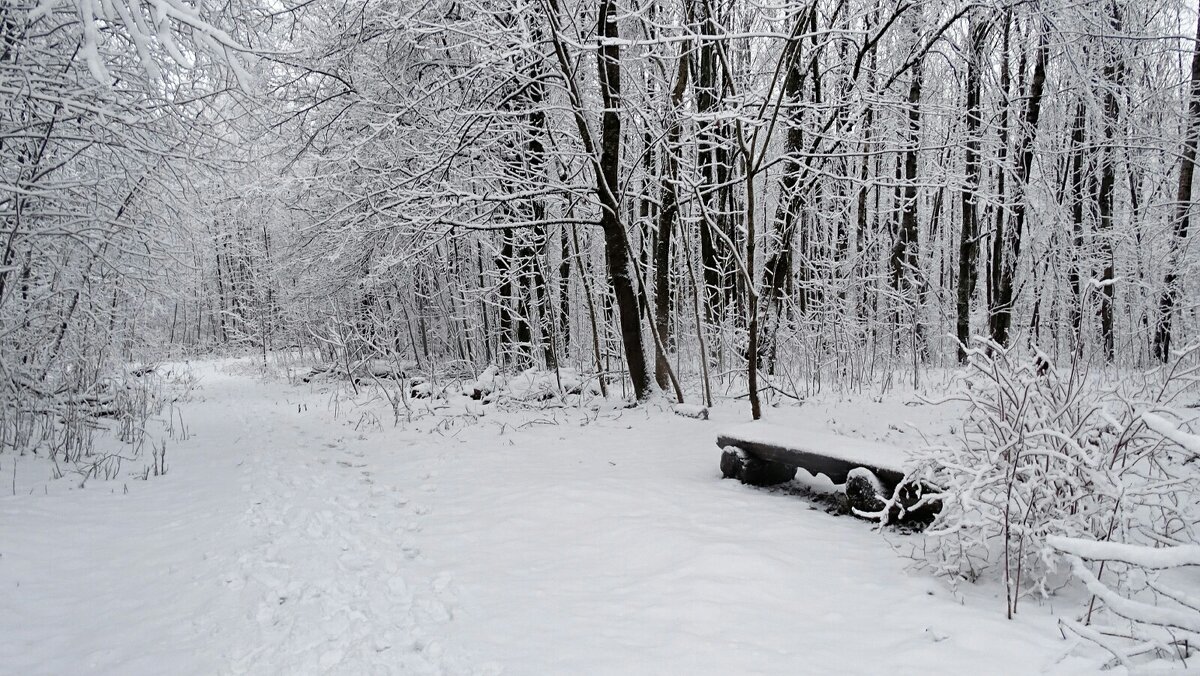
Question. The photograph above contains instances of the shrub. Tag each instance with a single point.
(1047, 452)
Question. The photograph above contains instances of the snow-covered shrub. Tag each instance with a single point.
(87, 420)
(1145, 614)
(1048, 452)
(537, 385)
(1138, 609)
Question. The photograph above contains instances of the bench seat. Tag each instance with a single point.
(816, 452)
(761, 454)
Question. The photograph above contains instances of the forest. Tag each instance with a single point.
(674, 194)
(758, 207)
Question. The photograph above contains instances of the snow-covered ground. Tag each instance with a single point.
(295, 533)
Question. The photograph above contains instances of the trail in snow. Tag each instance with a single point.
(267, 548)
(328, 568)
(293, 536)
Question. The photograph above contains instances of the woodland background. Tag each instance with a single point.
(682, 195)
(514, 204)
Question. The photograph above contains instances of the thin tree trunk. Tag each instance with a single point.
(616, 244)
(591, 308)
(1008, 253)
(667, 215)
(706, 141)
(1113, 79)
(777, 268)
(968, 247)
(1182, 219)
(1078, 181)
(906, 274)
(564, 295)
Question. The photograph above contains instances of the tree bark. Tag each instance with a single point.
(1078, 181)
(968, 246)
(616, 244)
(706, 142)
(1182, 218)
(667, 215)
(778, 266)
(1113, 80)
(906, 252)
(1007, 255)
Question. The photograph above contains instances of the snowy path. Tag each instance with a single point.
(267, 548)
(327, 568)
(285, 541)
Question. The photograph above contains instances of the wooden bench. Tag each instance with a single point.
(761, 454)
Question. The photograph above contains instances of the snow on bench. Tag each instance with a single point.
(761, 454)
(816, 452)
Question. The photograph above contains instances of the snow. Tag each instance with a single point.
(1186, 441)
(1186, 619)
(691, 411)
(1146, 557)
(820, 442)
(296, 533)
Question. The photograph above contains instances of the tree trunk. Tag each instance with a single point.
(564, 296)
(706, 141)
(616, 244)
(1007, 255)
(1183, 211)
(906, 253)
(778, 265)
(1113, 79)
(1078, 181)
(968, 246)
(667, 215)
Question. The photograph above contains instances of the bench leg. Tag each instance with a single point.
(737, 464)
(867, 494)
(864, 492)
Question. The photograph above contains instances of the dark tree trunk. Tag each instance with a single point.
(535, 249)
(667, 215)
(505, 299)
(534, 299)
(865, 225)
(706, 102)
(564, 296)
(1182, 219)
(483, 311)
(968, 246)
(1008, 250)
(905, 261)
(777, 268)
(1113, 80)
(998, 230)
(1078, 181)
(616, 244)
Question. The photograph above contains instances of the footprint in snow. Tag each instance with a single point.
(444, 587)
(315, 529)
(398, 586)
(435, 610)
(409, 549)
(330, 659)
(442, 581)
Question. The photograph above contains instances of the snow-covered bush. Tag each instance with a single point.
(1146, 615)
(534, 385)
(1049, 452)
(87, 422)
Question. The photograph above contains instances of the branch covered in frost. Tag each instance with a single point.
(1178, 618)
(1144, 557)
(1186, 441)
